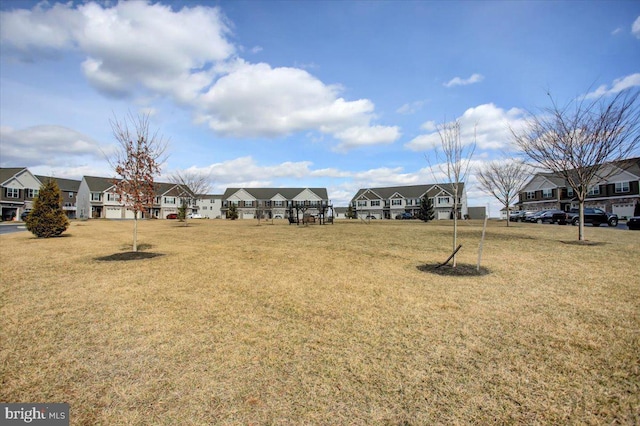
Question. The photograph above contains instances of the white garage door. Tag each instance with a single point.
(248, 216)
(623, 210)
(443, 215)
(113, 213)
(128, 214)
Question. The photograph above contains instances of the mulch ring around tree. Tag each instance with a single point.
(129, 255)
(461, 270)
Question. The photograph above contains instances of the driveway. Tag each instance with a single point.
(8, 228)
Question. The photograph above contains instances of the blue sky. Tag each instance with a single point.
(342, 95)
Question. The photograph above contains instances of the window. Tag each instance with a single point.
(112, 197)
(375, 203)
(569, 192)
(96, 196)
(12, 192)
(397, 202)
(278, 203)
(248, 203)
(409, 201)
(362, 203)
(169, 200)
(530, 195)
(32, 193)
(547, 193)
(70, 194)
(622, 187)
(594, 190)
(443, 200)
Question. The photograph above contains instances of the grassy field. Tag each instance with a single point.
(275, 324)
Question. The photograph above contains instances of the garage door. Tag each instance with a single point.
(129, 214)
(623, 210)
(113, 213)
(443, 215)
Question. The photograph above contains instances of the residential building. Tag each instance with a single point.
(274, 203)
(617, 193)
(210, 206)
(389, 202)
(340, 212)
(18, 188)
(69, 190)
(97, 198)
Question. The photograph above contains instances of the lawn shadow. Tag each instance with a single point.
(461, 270)
(584, 243)
(128, 255)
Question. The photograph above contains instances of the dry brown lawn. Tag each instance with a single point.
(275, 324)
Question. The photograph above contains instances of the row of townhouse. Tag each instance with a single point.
(617, 193)
(389, 202)
(19, 187)
(97, 198)
(275, 203)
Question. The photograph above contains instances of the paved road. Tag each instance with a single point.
(12, 227)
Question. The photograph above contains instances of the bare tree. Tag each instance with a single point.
(136, 162)
(580, 141)
(454, 162)
(503, 180)
(191, 186)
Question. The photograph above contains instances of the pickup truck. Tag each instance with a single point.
(596, 217)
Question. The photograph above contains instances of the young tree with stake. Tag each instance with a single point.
(454, 161)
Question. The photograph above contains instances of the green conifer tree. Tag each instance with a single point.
(232, 213)
(426, 212)
(47, 219)
(350, 212)
(182, 211)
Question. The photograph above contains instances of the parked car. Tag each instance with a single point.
(533, 217)
(172, 216)
(24, 215)
(595, 217)
(520, 216)
(194, 216)
(405, 215)
(552, 216)
(634, 223)
(371, 216)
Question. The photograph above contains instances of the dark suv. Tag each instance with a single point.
(596, 217)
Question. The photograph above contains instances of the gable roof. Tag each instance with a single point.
(63, 184)
(408, 191)
(98, 184)
(269, 193)
(6, 173)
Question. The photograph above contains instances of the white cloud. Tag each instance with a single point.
(255, 100)
(410, 108)
(635, 28)
(457, 81)
(50, 145)
(618, 85)
(487, 123)
(616, 31)
(129, 44)
(149, 50)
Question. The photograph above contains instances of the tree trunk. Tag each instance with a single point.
(581, 218)
(455, 226)
(135, 231)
